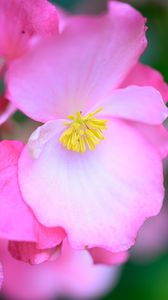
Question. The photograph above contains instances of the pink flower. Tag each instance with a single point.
(72, 275)
(100, 197)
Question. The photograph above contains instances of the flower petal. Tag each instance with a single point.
(80, 67)
(143, 75)
(29, 253)
(17, 221)
(142, 104)
(102, 256)
(100, 198)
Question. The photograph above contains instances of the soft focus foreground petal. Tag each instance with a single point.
(142, 104)
(100, 198)
(17, 221)
(7, 109)
(29, 253)
(30, 18)
(80, 67)
(80, 278)
(102, 256)
(72, 275)
(143, 75)
(1, 275)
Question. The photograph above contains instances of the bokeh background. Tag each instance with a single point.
(147, 279)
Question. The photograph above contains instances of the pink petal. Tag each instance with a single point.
(20, 20)
(29, 253)
(17, 222)
(80, 67)
(143, 75)
(72, 275)
(102, 256)
(100, 198)
(142, 104)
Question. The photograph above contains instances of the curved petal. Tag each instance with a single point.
(29, 253)
(80, 67)
(102, 256)
(100, 198)
(142, 104)
(17, 221)
(143, 75)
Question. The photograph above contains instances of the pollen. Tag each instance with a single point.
(83, 132)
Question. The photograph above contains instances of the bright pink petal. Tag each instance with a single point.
(17, 222)
(142, 104)
(22, 19)
(143, 75)
(100, 198)
(29, 253)
(102, 256)
(80, 67)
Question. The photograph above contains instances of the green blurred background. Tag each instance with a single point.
(149, 280)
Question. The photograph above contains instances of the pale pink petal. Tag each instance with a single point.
(17, 221)
(29, 253)
(143, 75)
(20, 20)
(102, 256)
(80, 67)
(72, 275)
(100, 198)
(142, 104)
(1, 275)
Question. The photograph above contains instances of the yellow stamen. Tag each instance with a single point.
(82, 131)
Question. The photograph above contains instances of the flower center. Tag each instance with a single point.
(83, 131)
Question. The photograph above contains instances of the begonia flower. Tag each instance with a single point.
(72, 275)
(91, 169)
(29, 240)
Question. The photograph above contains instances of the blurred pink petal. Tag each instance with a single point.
(93, 71)
(102, 256)
(143, 75)
(20, 20)
(72, 275)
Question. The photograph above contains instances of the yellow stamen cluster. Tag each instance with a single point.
(82, 131)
